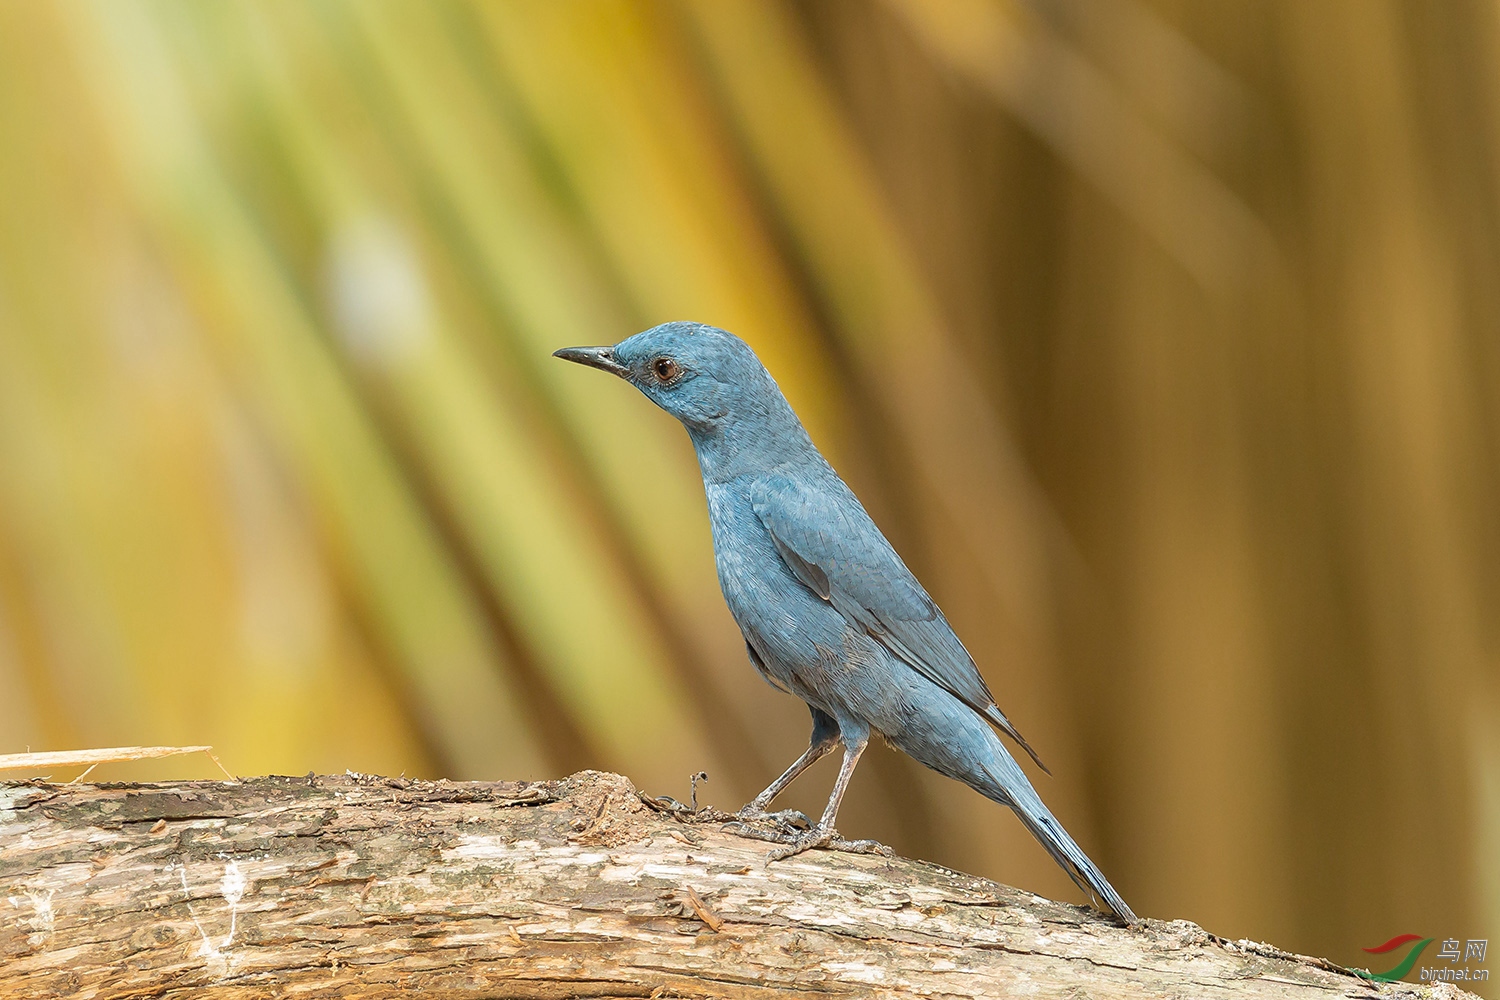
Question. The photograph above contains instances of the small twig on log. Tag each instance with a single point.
(93, 758)
(706, 915)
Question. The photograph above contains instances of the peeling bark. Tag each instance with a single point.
(333, 886)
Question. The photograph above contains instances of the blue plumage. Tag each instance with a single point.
(828, 610)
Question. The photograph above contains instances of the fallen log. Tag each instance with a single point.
(336, 886)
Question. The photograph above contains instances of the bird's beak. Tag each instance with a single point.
(602, 358)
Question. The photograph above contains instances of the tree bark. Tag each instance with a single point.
(356, 885)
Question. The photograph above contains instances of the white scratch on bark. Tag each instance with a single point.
(232, 888)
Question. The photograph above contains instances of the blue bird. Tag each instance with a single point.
(828, 610)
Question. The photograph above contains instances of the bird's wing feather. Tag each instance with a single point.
(829, 542)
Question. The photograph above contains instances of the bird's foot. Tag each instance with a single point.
(795, 832)
(785, 819)
(758, 833)
(825, 836)
(779, 827)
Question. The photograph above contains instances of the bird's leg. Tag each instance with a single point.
(756, 808)
(825, 736)
(793, 827)
(824, 834)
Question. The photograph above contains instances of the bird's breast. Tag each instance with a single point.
(788, 623)
(749, 567)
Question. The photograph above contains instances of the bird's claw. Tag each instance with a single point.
(816, 837)
(786, 819)
(783, 827)
(795, 832)
(827, 837)
(757, 833)
(860, 847)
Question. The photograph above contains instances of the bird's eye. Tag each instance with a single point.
(665, 369)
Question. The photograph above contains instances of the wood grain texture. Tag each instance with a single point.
(356, 885)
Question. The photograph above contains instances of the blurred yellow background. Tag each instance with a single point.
(1162, 338)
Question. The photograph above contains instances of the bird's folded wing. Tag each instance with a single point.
(829, 543)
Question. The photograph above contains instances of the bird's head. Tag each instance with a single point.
(703, 376)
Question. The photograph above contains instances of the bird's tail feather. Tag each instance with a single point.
(1070, 857)
(972, 752)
